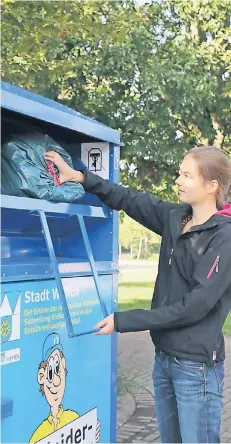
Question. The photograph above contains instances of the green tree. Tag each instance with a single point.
(159, 72)
(185, 87)
(141, 242)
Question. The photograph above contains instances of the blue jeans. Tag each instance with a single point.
(188, 399)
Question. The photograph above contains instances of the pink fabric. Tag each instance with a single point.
(226, 210)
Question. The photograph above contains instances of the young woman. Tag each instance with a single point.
(192, 295)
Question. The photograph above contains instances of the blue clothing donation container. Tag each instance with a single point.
(59, 278)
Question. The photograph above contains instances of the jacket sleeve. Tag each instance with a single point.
(142, 207)
(211, 282)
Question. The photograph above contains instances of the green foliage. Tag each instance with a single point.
(159, 72)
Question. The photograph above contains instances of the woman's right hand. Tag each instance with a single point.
(66, 173)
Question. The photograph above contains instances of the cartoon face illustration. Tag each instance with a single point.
(52, 378)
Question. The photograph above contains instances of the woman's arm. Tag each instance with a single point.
(145, 208)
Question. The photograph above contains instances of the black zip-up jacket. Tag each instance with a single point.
(192, 295)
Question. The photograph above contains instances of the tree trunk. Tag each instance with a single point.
(140, 249)
(146, 247)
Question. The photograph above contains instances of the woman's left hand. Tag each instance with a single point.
(107, 326)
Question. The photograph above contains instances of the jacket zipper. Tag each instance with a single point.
(214, 266)
(170, 259)
(169, 277)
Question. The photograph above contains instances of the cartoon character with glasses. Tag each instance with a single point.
(52, 375)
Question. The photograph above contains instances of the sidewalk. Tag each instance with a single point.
(136, 412)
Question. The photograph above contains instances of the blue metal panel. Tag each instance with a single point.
(92, 361)
(15, 271)
(114, 177)
(30, 104)
(87, 360)
(6, 407)
(25, 203)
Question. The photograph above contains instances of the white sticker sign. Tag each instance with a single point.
(96, 158)
(81, 430)
(10, 356)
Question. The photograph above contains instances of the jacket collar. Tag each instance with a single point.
(226, 210)
(60, 413)
(177, 215)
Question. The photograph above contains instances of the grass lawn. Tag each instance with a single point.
(136, 289)
(135, 296)
(227, 326)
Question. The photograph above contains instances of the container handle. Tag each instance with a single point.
(51, 252)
